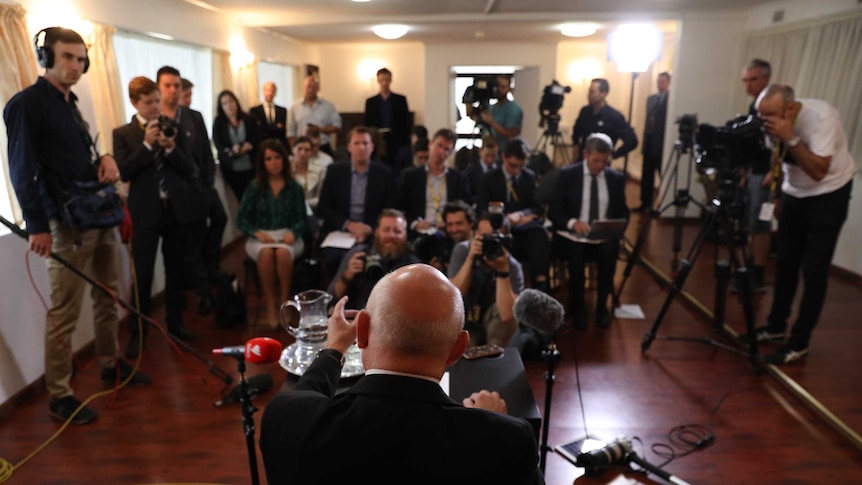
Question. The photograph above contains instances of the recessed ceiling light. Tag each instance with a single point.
(579, 29)
(390, 31)
(361, 1)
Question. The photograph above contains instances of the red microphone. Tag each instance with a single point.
(261, 350)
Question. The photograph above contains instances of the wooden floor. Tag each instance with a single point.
(605, 385)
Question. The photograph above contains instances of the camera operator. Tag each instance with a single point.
(756, 79)
(811, 144)
(599, 117)
(489, 279)
(50, 149)
(504, 119)
(364, 265)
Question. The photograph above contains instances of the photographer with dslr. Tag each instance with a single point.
(364, 265)
(489, 279)
(810, 145)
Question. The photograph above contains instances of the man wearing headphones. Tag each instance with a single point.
(50, 147)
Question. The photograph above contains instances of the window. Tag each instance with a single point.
(283, 76)
(139, 55)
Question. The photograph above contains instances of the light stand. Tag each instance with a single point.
(551, 356)
(631, 103)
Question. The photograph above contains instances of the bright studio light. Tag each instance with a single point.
(634, 46)
(579, 29)
(390, 31)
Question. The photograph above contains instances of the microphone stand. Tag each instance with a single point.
(214, 369)
(551, 356)
(248, 411)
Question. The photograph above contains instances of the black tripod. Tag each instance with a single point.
(248, 410)
(552, 135)
(724, 209)
(681, 199)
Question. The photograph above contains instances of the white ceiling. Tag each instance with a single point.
(456, 20)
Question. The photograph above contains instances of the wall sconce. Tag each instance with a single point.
(240, 56)
(582, 70)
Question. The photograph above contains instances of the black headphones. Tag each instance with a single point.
(45, 53)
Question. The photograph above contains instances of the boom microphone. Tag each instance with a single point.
(258, 384)
(260, 350)
(538, 310)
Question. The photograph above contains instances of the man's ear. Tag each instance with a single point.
(459, 347)
(362, 321)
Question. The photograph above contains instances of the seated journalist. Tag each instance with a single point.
(395, 425)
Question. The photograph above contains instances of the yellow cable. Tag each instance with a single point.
(7, 469)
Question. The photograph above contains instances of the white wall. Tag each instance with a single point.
(348, 74)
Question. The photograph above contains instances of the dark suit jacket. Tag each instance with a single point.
(137, 167)
(492, 188)
(334, 204)
(567, 202)
(389, 430)
(277, 130)
(413, 188)
(474, 179)
(655, 124)
(401, 124)
(221, 138)
(198, 146)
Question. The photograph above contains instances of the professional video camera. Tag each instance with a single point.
(549, 107)
(493, 244)
(687, 130)
(168, 127)
(730, 147)
(478, 96)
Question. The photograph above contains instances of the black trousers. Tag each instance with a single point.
(651, 166)
(532, 246)
(808, 230)
(145, 241)
(203, 252)
(605, 255)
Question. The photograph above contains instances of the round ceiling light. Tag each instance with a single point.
(579, 29)
(390, 31)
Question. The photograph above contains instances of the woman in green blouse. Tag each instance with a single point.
(272, 213)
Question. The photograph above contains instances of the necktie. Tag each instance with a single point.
(594, 199)
(159, 162)
(269, 116)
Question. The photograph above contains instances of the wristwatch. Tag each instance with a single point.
(332, 354)
(793, 141)
(501, 274)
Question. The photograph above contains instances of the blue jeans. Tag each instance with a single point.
(808, 230)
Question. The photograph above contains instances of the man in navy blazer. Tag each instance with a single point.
(395, 425)
(354, 193)
(570, 210)
(388, 112)
(489, 159)
(515, 187)
(271, 118)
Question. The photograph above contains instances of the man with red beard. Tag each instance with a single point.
(364, 265)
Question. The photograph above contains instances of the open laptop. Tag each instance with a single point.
(600, 231)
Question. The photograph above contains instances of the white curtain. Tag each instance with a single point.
(138, 55)
(18, 59)
(283, 76)
(822, 61)
(105, 85)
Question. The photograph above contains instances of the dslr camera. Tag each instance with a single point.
(168, 127)
(493, 244)
(373, 270)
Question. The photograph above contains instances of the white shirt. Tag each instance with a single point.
(585, 197)
(818, 125)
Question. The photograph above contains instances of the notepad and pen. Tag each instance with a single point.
(600, 231)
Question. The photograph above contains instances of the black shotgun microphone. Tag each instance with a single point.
(538, 310)
(258, 384)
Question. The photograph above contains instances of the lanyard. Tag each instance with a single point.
(778, 155)
(511, 190)
(436, 197)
